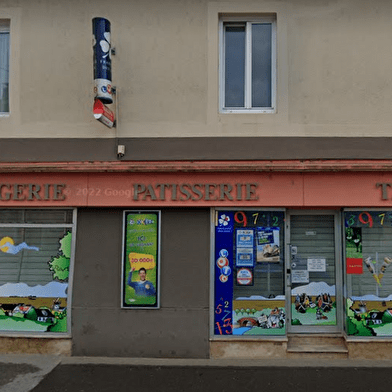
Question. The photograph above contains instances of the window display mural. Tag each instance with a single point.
(141, 259)
(313, 270)
(249, 273)
(35, 258)
(369, 273)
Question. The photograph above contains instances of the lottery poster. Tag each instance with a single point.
(140, 279)
(223, 318)
(244, 248)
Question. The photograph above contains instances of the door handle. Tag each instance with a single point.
(288, 277)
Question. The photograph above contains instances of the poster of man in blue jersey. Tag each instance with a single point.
(141, 259)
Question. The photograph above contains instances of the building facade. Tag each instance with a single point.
(241, 206)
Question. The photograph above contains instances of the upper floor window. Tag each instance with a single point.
(4, 65)
(247, 65)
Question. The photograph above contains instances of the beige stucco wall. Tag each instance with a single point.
(334, 68)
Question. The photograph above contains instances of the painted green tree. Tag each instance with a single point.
(355, 326)
(59, 264)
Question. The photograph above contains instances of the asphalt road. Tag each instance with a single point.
(105, 378)
(70, 374)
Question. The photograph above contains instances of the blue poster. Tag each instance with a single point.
(223, 324)
(268, 244)
(244, 248)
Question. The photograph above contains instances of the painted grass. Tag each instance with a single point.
(309, 318)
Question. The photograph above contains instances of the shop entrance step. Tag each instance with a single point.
(317, 346)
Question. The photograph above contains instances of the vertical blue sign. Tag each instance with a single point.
(223, 323)
(102, 60)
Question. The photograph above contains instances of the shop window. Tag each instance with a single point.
(249, 273)
(247, 65)
(4, 65)
(35, 260)
(368, 248)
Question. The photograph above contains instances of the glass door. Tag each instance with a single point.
(314, 282)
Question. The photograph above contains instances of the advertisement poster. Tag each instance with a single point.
(267, 244)
(141, 259)
(354, 250)
(223, 313)
(245, 277)
(244, 248)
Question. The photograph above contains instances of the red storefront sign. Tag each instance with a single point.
(195, 189)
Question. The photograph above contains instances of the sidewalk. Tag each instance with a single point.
(23, 373)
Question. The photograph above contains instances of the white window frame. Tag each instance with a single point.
(248, 65)
(5, 28)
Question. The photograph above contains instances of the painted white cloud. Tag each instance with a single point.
(370, 297)
(52, 289)
(314, 288)
(260, 297)
(15, 249)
